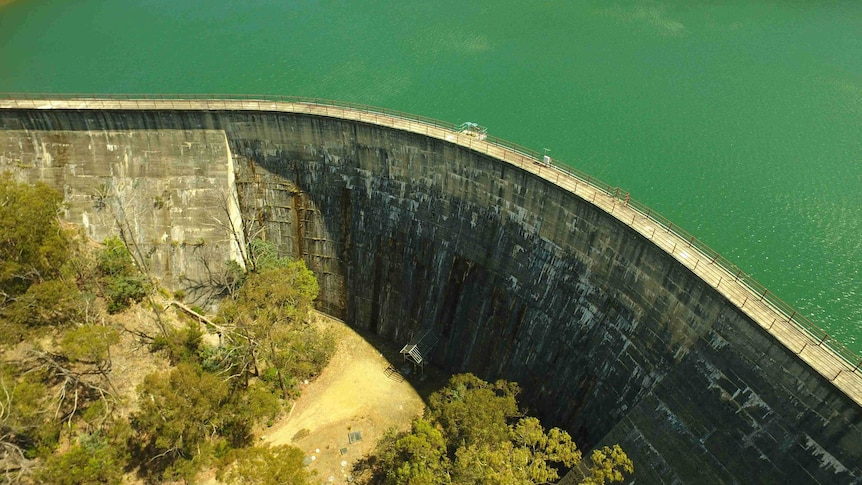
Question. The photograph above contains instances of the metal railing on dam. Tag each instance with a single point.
(832, 359)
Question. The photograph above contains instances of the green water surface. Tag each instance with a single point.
(741, 121)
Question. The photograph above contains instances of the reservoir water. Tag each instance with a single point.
(740, 121)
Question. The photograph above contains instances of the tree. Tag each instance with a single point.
(122, 282)
(33, 246)
(93, 459)
(474, 433)
(529, 456)
(277, 465)
(179, 410)
(182, 344)
(78, 372)
(26, 427)
(33, 251)
(474, 411)
(418, 457)
(280, 293)
(47, 303)
(608, 465)
(91, 345)
(268, 321)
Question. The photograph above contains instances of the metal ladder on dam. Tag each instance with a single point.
(417, 350)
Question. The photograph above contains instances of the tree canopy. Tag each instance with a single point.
(58, 413)
(474, 433)
(277, 465)
(33, 247)
(267, 322)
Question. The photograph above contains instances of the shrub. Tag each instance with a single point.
(92, 460)
(122, 291)
(123, 283)
(278, 465)
(182, 345)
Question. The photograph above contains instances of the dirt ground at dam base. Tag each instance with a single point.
(355, 393)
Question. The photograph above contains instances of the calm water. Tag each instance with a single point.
(740, 122)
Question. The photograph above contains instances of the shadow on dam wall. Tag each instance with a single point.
(609, 336)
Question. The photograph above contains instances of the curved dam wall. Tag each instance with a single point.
(515, 275)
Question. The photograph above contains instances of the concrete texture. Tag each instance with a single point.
(610, 336)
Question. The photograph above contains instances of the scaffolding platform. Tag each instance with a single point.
(417, 350)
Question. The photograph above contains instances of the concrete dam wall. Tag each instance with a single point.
(616, 329)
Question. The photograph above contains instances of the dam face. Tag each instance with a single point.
(513, 274)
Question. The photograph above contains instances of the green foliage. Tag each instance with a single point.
(122, 282)
(233, 277)
(264, 256)
(608, 466)
(34, 250)
(245, 408)
(418, 457)
(182, 344)
(94, 415)
(92, 460)
(114, 259)
(33, 247)
(178, 411)
(474, 433)
(89, 344)
(51, 302)
(302, 352)
(25, 416)
(187, 415)
(278, 295)
(268, 316)
(278, 465)
(530, 455)
(11, 333)
(472, 410)
(256, 403)
(215, 359)
(121, 291)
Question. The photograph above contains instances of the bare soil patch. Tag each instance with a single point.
(355, 393)
(132, 359)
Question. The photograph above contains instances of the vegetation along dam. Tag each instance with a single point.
(620, 327)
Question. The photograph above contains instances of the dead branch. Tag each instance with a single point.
(58, 366)
(197, 315)
(14, 464)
